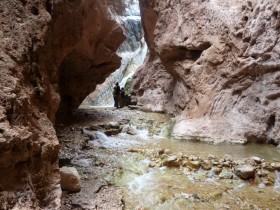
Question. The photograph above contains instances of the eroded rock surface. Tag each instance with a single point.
(215, 65)
(47, 49)
(133, 52)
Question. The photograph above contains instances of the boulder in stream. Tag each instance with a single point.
(244, 171)
(171, 161)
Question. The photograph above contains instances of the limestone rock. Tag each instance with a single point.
(211, 75)
(171, 161)
(206, 165)
(53, 53)
(194, 164)
(70, 179)
(276, 166)
(244, 171)
(217, 170)
(256, 159)
(226, 174)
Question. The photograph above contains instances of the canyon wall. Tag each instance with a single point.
(214, 64)
(53, 53)
(132, 51)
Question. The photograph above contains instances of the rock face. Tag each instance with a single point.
(215, 65)
(47, 49)
(133, 52)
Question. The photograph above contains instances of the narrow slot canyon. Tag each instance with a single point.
(197, 125)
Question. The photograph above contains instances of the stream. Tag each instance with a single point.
(141, 167)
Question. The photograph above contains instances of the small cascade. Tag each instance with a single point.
(133, 53)
(277, 182)
(140, 183)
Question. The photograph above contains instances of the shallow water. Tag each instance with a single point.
(164, 188)
(264, 151)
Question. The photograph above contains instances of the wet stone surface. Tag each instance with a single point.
(136, 166)
(93, 142)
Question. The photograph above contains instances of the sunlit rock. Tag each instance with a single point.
(215, 66)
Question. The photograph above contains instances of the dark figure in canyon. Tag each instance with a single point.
(117, 95)
(123, 102)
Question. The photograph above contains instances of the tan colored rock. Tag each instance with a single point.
(52, 53)
(244, 171)
(211, 74)
(257, 159)
(206, 165)
(194, 164)
(70, 179)
(275, 166)
(171, 161)
(226, 174)
(217, 170)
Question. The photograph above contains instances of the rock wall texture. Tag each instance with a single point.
(132, 51)
(215, 65)
(47, 49)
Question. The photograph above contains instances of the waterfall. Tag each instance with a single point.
(133, 53)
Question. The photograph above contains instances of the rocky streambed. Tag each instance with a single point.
(126, 160)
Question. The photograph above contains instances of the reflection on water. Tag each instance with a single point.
(267, 152)
(167, 188)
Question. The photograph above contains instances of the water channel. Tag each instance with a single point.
(134, 158)
(172, 188)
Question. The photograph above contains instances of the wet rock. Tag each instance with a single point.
(152, 164)
(256, 159)
(262, 173)
(226, 164)
(206, 165)
(227, 158)
(217, 170)
(194, 158)
(171, 161)
(129, 130)
(239, 162)
(163, 156)
(161, 151)
(70, 179)
(211, 157)
(267, 166)
(216, 163)
(112, 132)
(114, 125)
(226, 174)
(268, 182)
(89, 133)
(244, 171)
(194, 164)
(275, 166)
(250, 161)
(184, 163)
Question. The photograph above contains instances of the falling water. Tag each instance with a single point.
(277, 182)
